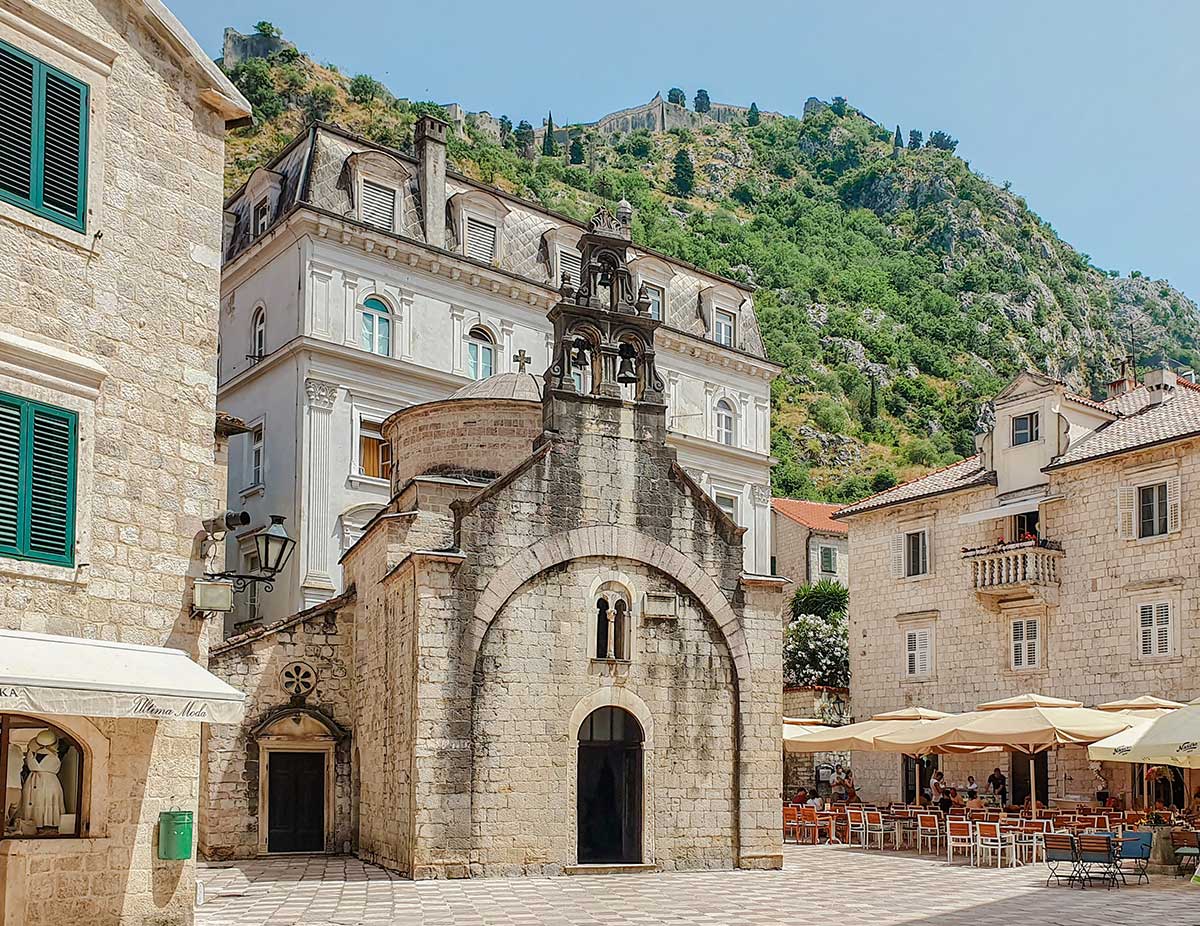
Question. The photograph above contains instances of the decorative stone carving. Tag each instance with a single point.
(320, 394)
(761, 494)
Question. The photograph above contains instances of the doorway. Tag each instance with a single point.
(609, 788)
(917, 774)
(296, 801)
(1020, 777)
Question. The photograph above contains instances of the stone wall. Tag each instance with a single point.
(229, 825)
(146, 469)
(1088, 640)
(790, 550)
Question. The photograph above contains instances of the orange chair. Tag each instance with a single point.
(810, 824)
(791, 822)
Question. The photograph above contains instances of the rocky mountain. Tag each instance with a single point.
(898, 287)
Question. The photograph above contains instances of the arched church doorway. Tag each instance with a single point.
(609, 789)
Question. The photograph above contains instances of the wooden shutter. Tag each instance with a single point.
(910, 645)
(63, 146)
(1162, 628)
(1018, 644)
(1146, 629)
(481, 240)
(570, 262)
(917, 651)
(1174, 505)
(10, 476)
(52, 484)
(1025, 633)
(922, 652)
(1032, 649)
(378, 205)
(17, 75)
(897, 556)
(1127, 512)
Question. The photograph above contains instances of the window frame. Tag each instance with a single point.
(474, 352)
(923, 533)
(369, 429)
(1155, 601)
(575, 255)
(365, 182)
(735, 515)
(260, 216)
(256, 443)
(1025, 664)
(1160, 509)
(723, 318)
(662, 298)
(915, 630)
(379, 312)
(822, 549)
(1031, 422)
(21, 550)
(35, 202)
(253, 599)
(258, 334)
(83, 776)
(611, 593)
(470, 219)
(723, 408)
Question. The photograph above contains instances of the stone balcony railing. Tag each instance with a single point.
(1028, 565)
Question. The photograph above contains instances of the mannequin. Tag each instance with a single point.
(42, 796)
(12, 784)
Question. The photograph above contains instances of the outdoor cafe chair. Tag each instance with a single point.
(878, 830)
(959, 836)
(990, 837)
(810, 824)
(1135, 847)
(1098, 858)
(856, 825)
(1058, 850)
(1031, 837)
(929, 831)
(791, 822)
(1187, 850)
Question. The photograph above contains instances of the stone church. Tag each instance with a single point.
(548, 656)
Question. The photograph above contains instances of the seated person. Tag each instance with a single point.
(801, 797)
(956, 798)
(974, 801)
(816, 801)
(1040, 805)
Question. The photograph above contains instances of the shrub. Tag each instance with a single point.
(822, 599)
(816, 651)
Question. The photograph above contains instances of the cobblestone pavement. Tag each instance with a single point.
(819, 885)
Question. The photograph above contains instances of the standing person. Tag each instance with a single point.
(851, 791)
(998, 785)
(838, 788)
(938, 792)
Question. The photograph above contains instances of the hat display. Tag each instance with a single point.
(46, 738)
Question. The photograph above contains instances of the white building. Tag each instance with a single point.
(359, 281)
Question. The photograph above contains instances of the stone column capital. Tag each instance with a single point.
(320, 394)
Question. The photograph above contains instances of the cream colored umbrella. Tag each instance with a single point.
(797, 728)
(1027, 724)
(1145, 707)
(1170, 740)
(861, 735)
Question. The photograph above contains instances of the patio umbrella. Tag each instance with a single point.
(860, 735)
(1145, 707)
(1173, 739)
(1028, 724)
(796, 728)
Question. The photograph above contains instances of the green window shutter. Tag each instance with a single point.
(43, 138)
(37, 481)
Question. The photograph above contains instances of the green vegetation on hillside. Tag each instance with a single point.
(898, 288)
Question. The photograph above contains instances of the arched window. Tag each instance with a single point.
(258, 335)
(481, 353)
(612, 636)
(376, 333)
(726, 422)
(42, 770)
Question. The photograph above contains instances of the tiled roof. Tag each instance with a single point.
(817, 516)
(1141, 424)
(965, 474)
(330, 606)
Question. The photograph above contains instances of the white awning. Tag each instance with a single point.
(45, 674)
(1021, 506)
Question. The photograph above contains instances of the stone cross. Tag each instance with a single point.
(520, 358)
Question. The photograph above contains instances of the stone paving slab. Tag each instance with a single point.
(819, 886)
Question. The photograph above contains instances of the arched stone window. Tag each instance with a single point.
(612, 626)
(481, 353)
(375, 334)
(258, 335)
(42, 768)
(726, 422)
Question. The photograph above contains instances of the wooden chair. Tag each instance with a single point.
(1098, 858)
(1058, 849)
(990, 837)
(959, 835)
(856, 824)
(1187, 850)
(929, 830)
(791, 822)
(810, 824)
(878, 830)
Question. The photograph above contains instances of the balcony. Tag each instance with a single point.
(1008, 569)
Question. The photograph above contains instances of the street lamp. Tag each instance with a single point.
(273, 547)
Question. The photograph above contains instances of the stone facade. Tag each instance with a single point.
(1086, 605)
(801, 532)
(90, 324)
(474, 652)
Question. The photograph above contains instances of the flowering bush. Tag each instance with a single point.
(816, 651)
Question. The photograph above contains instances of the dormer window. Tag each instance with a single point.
(724, 328)
(570, 262)
(656, 296)
(378, 206)
(481, 240)
(262, 216)
(1025, 429)
(481, 353)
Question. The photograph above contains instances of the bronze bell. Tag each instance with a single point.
(580, 358)
(625, 372)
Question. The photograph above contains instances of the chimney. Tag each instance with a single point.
(1161, 385)
(430, 142)
(1124, 381)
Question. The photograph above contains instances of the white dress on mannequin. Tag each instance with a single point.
(42, 797)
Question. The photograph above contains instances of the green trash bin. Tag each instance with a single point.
(175, 834)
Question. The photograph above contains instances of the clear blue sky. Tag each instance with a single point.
(1088, 108)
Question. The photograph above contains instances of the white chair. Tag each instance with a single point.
(1031, 838)
(856, 823)
(959, 836)
(929, 831)
(878, 831)
(990, 838)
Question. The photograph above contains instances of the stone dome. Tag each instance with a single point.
(521, 386)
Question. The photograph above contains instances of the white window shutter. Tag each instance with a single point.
(1127, 512)
(1018, 644)
(898, 556)
(378, 205)
(1032, 655)
(910, 645)
(1174, 505)
(922, 652)
(1146, 629)
(570, 262)
(1162, 628)
(481, 240)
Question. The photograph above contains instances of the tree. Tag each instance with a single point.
(319, 101)
(701, 103)
(549, 146)
(816, 651)
(523, 134)
(823, 599)
(576, 153)
(752, 117)
(897, 143)
(838, 105)
(942, 140)
(685, 173)
(505, 129)
(676, 96)
(364, 88)
(253, 78)
(915, 139)
(262, 27)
